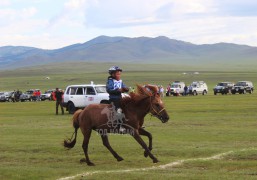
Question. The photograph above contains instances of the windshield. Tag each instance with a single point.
(100, 89)
(222, 84)
(174, 86)
(29, 92)
(241, 84)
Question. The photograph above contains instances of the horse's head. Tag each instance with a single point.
(157, 108)
(156, 105)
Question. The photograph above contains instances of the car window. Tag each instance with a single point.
(79, 91)
(100, 89)
(68, 91)
(72, 90)
(90, 91)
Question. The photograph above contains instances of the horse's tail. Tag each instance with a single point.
(69, 143)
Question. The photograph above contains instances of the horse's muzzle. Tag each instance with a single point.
(164, 119)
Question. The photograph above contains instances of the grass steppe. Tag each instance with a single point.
(200, 126)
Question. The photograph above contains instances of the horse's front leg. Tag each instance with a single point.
(142, 143)
(149, 135)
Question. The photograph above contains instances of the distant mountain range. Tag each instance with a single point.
(129, 50)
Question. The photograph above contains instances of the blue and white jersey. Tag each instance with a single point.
(117, 84)
(113, 86)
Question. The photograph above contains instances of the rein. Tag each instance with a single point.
(151, 107)
(157, 113)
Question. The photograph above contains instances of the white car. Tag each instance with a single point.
(198, 87)
(47, 95)
(80, 96)
(177, 88)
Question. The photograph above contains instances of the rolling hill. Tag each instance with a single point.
(130, 50)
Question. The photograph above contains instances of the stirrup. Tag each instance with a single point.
(122, 129)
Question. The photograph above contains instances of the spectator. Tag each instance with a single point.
(185, 90)
(168, 90)
(58, 96)
(161, 91)
(38, 94)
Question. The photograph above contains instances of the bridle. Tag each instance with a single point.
(151, 106)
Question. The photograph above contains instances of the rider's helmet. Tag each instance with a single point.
(114, 69)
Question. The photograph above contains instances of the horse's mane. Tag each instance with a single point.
(141, 93)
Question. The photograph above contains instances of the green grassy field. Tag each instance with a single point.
(200, 127)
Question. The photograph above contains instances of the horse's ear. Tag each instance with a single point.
(153, 89)
(139, 89)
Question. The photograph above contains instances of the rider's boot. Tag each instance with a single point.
(119, 113)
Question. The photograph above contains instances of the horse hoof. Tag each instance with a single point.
(82, 160)
(90, 164)
(145, 154)
(155, 161)
(120, 159)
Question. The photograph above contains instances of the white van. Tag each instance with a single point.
(198, 87)
(177, 87)
(80, 96)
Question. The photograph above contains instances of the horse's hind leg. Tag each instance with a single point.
(149, 135)
(108, 146)
(87, 135)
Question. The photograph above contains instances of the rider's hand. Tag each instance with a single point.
(125, 89)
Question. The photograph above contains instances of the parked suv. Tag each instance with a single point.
(223, 88)
(177, 87)
(29, 95)
(47, 95)
(243, 87)
(5, 96)
(80, 96)
(198, 87)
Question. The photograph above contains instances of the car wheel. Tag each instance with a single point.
(104, 102)
(194, 93)
(215, 93)
(204, 92)
(71, 108)
(251, 91)
(22, 100)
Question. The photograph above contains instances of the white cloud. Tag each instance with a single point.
(197, 21)
(28, 12)
(5, 3)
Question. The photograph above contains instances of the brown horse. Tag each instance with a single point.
(101, 118)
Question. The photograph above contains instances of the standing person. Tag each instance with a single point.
(161, 91)
(168, 90)
(38, 95)
(13, 96)
(185, 90)
(115, 87)
(58, 96)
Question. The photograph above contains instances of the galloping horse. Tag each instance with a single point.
(135, 107)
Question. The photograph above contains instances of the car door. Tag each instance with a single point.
(90, 95)
(77, 96)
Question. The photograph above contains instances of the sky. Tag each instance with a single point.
(52, 24)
